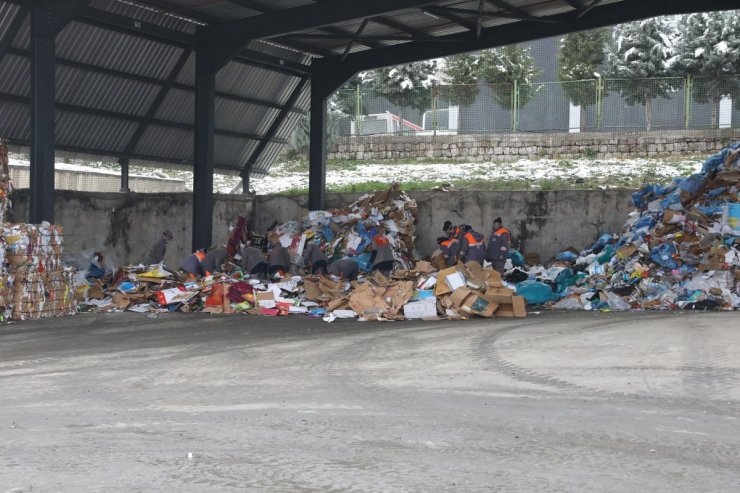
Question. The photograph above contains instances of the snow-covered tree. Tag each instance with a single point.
(641, 50)
(580, 58)
(709, 48)
(501, 67)
(404, 85)
(461, 74)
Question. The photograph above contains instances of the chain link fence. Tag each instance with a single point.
(603, 104)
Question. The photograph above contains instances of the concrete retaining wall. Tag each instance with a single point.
(511, 147)
(125, 225)
(542, 222)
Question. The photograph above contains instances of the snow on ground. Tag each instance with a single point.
(524, 173)
(608, 173)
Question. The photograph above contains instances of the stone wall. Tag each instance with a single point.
(511, 147)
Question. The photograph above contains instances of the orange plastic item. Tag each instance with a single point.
(217, 296)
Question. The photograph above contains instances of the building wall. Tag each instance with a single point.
(511, 147)
(96, 181)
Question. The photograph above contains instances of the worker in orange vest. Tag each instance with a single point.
(472, 245)
(449, 250)
(193, 264)
(498, 245)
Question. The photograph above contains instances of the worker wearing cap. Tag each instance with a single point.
(215, 259)
(156, 252)
(253, 261)
(472, 245)
(193, 264)
(498, 245)
(344, 268)
(315, 259)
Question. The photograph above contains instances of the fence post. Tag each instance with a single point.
(435, 104)
(515, 108)
(687, 84)
(599, 101)
(358, 109)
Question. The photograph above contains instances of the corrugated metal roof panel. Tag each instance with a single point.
(219, 9)
(23, 38)
(187, 74)
(178, 106)
(8, 12)
(263, 84)
(92, 132)
(114, 50)
(15, 123)
(233, 151)
(145, 14)
(16, 76)
(167, 142)
(240, 117)
(103, 92)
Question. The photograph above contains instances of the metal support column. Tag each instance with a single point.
(317, 149)
(245, 183)
(124, 174)
(41, 207)
(205, 114)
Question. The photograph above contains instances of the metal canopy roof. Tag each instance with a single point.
(125, 69)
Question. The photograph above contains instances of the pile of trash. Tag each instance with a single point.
(348, 232)
(419, 293)
(413, 290)
(677, 250)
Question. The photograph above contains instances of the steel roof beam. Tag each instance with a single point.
(393, 24)
(517, 32)
(228, 38)
(449, 15)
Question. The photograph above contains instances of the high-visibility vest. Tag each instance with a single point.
(447, 243)
(201, 256)
(501, 231)
(471, 240)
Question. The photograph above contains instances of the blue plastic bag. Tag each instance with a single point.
(663, 256)
(567, 256)
(517, 259)
(536, 293)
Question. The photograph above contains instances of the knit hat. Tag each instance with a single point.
(498, 220)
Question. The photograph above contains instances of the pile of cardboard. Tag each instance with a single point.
(35, 282)
(678, 249)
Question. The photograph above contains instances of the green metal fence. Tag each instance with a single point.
(595, 105)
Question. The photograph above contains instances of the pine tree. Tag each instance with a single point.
(405, 85)
(506, 67)
(641, 50)
(709, 48)
(461, 72)
(580, 59)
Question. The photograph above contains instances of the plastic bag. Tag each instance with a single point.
(570, 303)
(566, 256)
(693, 183)
(517, 259)
(663, 256)
(616, 302)
(536, 293)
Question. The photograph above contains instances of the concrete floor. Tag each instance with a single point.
(555, 402)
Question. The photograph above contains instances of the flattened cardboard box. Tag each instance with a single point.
(470, 301)
(517, 308)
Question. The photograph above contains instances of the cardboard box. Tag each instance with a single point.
(443, 287)
(426, 308)
(517, 308)
(265, 299)
(473, 302)
(500, 292)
